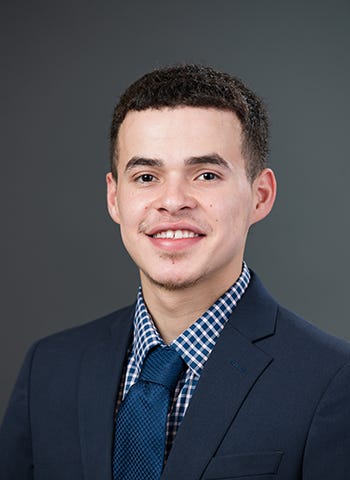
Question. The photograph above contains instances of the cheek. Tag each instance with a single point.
(225, 212)
(129, 206)
(133, 214)
(233, 217)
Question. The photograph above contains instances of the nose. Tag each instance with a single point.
(175, 196)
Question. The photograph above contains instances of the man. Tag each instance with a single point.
(255, 391)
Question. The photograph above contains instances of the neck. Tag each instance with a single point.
(173, 311)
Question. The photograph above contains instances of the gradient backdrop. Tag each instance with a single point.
(65, 63)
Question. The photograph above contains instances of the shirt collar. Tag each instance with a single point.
(196, 342)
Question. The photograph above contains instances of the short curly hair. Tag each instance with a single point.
(198, 86)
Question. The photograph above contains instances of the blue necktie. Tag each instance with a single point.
(140, 430)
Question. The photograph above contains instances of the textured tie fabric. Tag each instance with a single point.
(140, 430)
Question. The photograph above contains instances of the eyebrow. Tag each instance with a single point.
(212, 159)
(141, 161)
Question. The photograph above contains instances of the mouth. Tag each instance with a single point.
(175, 234)
(175, 238)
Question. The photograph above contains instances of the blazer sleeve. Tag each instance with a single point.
(327, 450)
(15, 435)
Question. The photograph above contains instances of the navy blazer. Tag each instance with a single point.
(272, 403)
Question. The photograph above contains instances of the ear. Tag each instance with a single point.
(264, 188)
(112, 202)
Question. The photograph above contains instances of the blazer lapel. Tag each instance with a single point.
(101, 370)
(227, 378)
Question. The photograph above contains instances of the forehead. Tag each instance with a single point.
(180, 131)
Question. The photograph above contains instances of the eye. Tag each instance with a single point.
(145, 178)
(207, 176)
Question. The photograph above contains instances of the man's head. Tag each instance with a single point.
(191, 179)
(203, 87)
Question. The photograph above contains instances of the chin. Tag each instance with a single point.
(171, 284)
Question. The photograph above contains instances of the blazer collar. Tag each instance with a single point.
(227, 379)
(255, 314)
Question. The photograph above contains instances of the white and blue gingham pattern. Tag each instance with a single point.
(194, 345)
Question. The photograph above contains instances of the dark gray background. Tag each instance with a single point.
(64, 64)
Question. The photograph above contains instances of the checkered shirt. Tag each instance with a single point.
(194, 345)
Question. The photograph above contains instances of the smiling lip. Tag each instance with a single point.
(175, 231)
(175, 236)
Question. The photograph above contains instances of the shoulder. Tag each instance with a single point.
(309, 339)
(77, 339)
(291, 336)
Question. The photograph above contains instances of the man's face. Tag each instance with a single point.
(183, 199)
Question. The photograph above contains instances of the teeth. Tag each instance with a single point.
(176, 234)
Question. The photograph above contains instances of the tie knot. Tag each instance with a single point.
(163, 366)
